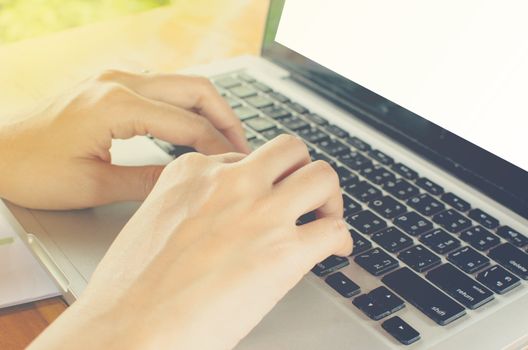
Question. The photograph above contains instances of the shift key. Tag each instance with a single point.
(424, 296)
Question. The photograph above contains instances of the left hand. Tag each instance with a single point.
(60, 158)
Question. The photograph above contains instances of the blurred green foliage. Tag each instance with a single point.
(21, 19)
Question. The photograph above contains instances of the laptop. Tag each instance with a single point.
(419, 107)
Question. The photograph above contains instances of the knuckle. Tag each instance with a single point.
(288, 140)
(114, 93)
(326, 170)
(189, 160)
(108, 75)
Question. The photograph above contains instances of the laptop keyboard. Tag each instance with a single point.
(429, 246)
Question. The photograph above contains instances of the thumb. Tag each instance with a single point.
(130, 182)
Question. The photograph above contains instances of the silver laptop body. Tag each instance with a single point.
(312, 315)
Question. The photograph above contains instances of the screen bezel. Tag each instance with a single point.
(495, 177)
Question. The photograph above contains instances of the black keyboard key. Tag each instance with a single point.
(330, 264)
(279, 97)
(419, 258)
(376, 261)
(342, 284)
(336, 130)
(413, 223)
(512, 236)
(245, 113)
(260, 124)
(388, 299)
(405, 171)
(350, 206)
(313, 135)
(276, 112)
(306, 218)
(233, 103)
(401, 189)
(317, 119)
(358, 143)
(468, 259)
(363, 191)
(378, 174)
(483, 218)
(511, 258)
(294, 123)
(370, 307)
(259, 101)
(452, 221)
(256, 143)
(227, 82)
(249, 134)
(366, 222)
(355, 160)
(272, 133)
(346, 177)
(379, 303)
(480, 238)
(297, 107)
(401, 330)
(430, 186)
(320, 156)
(262, 87)
(460, 286)
(387, 207)
(498, 279)
(246, 77)
(425, 204)
(420, 293)
(361, 244)
(381, 157)
(440, 241)
(456, 202)
(333, 147)
(243, 91)
(392, 239)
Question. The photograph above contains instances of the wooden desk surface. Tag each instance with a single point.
(162, 40)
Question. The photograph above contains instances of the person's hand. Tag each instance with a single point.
(60, 159)
(212, 249)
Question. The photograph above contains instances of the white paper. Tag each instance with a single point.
(22, 278)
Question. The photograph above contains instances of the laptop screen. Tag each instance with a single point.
(462, 65)
(446, 79)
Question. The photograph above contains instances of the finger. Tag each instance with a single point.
(191, 93)
(314, 186)
(324, 237)
(129, 114)
(128, 183)
(279, 157)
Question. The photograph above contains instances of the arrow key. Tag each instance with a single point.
(401, 330)
(342, 284)
(379, 303)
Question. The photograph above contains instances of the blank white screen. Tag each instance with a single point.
(462, 64)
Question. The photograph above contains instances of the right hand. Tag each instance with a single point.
(213, 248)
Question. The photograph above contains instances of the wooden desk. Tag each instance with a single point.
(162, 40)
